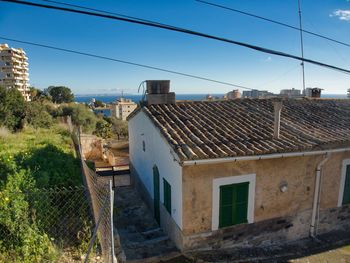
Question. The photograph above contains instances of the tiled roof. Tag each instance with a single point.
(217, 129)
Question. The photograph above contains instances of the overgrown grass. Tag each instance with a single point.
(30, 160)
(29, 138)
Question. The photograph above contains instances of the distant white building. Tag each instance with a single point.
(14, 69)
(122, 108)
(254, 93)
(234, 94)
(291, 93)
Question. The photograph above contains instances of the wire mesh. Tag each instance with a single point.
(51, 225)
(101, 199)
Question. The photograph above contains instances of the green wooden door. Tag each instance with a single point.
(346, 195)
(156, 195)
(233, 204)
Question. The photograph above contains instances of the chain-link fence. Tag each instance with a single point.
(46, 225)
(57, 224)
(101, 198)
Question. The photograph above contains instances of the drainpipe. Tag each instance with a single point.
(316, 202)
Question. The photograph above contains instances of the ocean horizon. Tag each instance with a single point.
(85, 98)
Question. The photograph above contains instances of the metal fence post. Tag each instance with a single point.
(112, 225)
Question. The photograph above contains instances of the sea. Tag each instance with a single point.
(138, 97)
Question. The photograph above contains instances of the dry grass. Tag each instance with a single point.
(4, 132)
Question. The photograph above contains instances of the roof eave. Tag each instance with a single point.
(263, 157)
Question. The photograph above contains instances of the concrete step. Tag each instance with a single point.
(159, 241)
(153, 233)
(160, 258)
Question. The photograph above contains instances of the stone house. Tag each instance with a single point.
(218, 174)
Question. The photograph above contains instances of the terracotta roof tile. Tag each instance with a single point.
(218, 129)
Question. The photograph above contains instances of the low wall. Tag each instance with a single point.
(91, 147)
(265, 232)
(334, 219)
(119, 180)
(268, 232)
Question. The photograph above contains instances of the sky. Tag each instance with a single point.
(180, 52)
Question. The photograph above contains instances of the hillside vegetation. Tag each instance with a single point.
(29, 161)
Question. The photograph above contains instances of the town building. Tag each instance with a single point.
(234, 94)
(14, 70)
(313, 92)
(290, 93)
(254, 93)
(219, 174)
(122, 108)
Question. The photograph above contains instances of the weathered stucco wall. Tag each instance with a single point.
(270, 202)
(331, 176)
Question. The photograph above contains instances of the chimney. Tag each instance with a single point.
(158, 92)
(277, 106)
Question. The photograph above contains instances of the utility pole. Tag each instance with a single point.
(301, 46)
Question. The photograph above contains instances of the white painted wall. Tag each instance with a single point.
(158, 152)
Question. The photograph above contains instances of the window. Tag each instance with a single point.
(233, 204)
(167, 195)
(143, 146)
(346, 193)
(344, 188)
(233, 200)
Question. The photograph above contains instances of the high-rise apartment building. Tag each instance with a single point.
(14, 69)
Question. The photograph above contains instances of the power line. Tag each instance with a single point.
(124, 62)
(274, 21)
(301, 45)
(182, 30)
(104, 11)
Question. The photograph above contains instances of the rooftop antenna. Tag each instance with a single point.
(301, 46)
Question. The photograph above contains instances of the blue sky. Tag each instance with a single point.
(179, 52)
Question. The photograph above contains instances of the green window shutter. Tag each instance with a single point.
(167, 195)
(241, 203)
(226, 197)
(346, 194)
(233, 204)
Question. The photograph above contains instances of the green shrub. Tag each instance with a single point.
(37, 115)
(81, 116)
(12, 108)
(20, 240)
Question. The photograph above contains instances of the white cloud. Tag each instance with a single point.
(341, 14)
(268, 59)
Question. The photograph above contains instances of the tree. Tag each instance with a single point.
(60, 94)
(99, 103)
(37, 115)
(81, 116)
(103, 129)
(39, 95)
(120, 127)
(12, 108)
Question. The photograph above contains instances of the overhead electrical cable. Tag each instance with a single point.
(124, 62)
(274, 21)
(182, 30)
